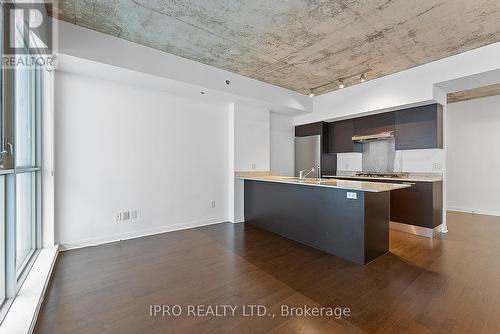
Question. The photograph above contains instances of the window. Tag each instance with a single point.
(2, 179)
(25, 219)
(20, 173)
(27, 167)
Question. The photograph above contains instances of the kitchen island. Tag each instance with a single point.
(349, 219)
(416, 210)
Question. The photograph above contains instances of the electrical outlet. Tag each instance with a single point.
(351, 195)
(213, 204)
(436, 166)
(125, 215)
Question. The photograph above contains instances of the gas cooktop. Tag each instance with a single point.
(380, 174)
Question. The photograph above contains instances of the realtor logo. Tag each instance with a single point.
(29, 33)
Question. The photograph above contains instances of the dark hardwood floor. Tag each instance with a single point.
(446, 285)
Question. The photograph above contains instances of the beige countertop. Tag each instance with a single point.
(329, 183)
(411, 177)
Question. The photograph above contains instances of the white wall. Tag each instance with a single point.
(282, 145)
(251, 138)
(250, 150)
(472, 155)
(88, 44)
(120, 147)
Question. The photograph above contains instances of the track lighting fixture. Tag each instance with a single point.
(341, 83)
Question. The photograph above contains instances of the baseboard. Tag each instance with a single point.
(416, 230)
(81, 243)
(473, 211)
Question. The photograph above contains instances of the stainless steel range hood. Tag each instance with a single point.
(374, 136)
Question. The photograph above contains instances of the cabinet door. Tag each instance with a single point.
(419, 128)
(306, 130)
(340, 137)
(413, 205)
(374, 124)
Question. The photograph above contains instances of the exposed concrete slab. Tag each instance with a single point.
(297, 44)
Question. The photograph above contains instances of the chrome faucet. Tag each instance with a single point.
(302, 175)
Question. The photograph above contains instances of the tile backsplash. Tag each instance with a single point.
(422, 161)
(416, 161)
(379, 155)
(351, 162)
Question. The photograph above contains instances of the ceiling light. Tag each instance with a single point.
(311, 94)
(362, 78)
(341, 83)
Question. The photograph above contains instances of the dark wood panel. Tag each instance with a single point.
(305, 215)
(377, 209)
(413, 205)
(340, 140)
(321, 217)
(374, 124)
(437, 203)
(309, 129)
(328, 161)
(445, 285)
(419, 128)
(420, 205)
(328, 164)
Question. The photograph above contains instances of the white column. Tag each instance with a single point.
(441, 97)
(48, 230)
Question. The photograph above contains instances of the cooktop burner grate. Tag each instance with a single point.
(379, 174)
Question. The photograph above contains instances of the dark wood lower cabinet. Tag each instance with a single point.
(420, 205)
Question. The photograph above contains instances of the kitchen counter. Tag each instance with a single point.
(411, 177)
(349, 219)
(329, 183)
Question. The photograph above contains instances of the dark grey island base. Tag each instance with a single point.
(322, 217)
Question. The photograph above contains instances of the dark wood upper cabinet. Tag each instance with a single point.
(340, 137)
(414, 128)
(309, 129)
(374, 124)
(419, 127)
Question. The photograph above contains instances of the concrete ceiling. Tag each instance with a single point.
(297, 44)
(476, 93)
